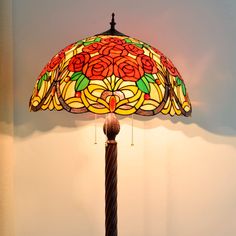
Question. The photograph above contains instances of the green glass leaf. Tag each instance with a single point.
(76, 75)
(79, 42)
(39, 85)
(97, 39)
(149, 78)
(139, 45)
(183, 89)
(128, 40)
(81, 83)
(43, 78)
(143, 85)
(181, 83)
(88, 43)
(178, 81)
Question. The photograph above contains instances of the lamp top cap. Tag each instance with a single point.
(113, 23)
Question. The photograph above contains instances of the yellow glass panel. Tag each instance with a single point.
(78, 50)
(125, 112)
(69, 90)
(155, 92)
(108, 85)
(112, 82)
(53, 75)
(89, 95)
(96, 88)
(146, 52)
(98, 82)
(163, 89)
(172, 111)
(118, 83)
(122, 102)
(74, 102)
(148, 107)
(131, 55)
(56, 103)
(132, 104)
(74, 99)
(97, 93)
(70, 54)
(35, 101)
(128, 93)
(178, 112)
(167, 107)
(176, 107)
(136, 97)
(76, 105)
(101, 101)
(98, 110)
(43, 89)
(47, 102)
(84, 99)
(160, 77)
(64, 74)
(62, 86)
(131, 87)
(140, 101)
(174, 103)
(127, 84)
(186, 106)
(51, 106)
(154, 76)
(151, 102)
(156, 58)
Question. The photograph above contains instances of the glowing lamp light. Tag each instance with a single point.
(111, 73)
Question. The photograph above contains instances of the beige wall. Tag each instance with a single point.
(176, 180)
(6, 120)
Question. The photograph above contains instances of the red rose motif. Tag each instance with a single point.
(147, 63)
(169, 66)
(113, 40)
(113, 50)
(134, 50)
(99, 67)
(55, 61)
(78, 61)
(127, 68)
(92, 48)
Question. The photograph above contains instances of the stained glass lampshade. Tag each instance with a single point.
(111, 73)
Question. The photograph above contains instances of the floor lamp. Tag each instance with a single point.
(111, 73)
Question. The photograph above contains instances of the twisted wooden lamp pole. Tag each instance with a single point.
(111, 128)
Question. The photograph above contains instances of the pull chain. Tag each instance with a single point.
(132, 133)
(95, 127)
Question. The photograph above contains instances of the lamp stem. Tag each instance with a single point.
(111, 128)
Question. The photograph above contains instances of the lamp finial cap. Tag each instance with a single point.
(113, 23)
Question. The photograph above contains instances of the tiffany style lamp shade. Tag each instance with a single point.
(111, 73)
